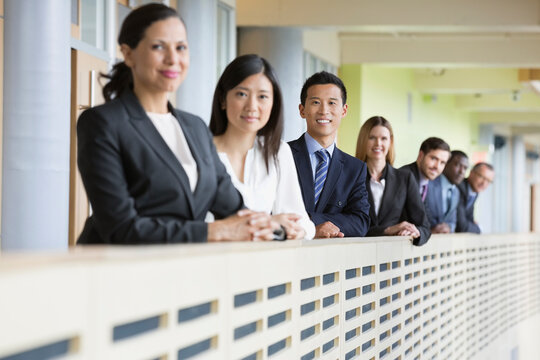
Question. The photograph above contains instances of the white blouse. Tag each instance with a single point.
(276, 191)
(377, 190)
(169, 129)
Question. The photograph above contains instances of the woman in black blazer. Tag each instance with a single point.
(395, 205)
(151, 172)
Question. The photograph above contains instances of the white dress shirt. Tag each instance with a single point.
(377, 191)
(275, 191)
(313, 146)
(169, 129)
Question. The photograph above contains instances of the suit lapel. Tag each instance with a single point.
(416, 172)
(437, 197)
(334, 171)
(305, 173)
(195, 146)
(143, 125)
(370, 199)
(391, 189)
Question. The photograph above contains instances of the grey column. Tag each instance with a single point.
(35, 189)
(519, 183)
(282, 47)
(195, 94)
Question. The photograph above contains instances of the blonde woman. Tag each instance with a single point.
(395, 205)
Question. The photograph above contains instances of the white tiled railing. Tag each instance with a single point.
(458, 297)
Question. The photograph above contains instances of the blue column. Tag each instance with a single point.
(196, 93)
(520, 209)
(36, 133)
(282, 47)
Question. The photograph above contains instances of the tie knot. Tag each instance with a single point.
(322, 155)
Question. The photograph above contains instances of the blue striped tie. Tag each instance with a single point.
(320, 172)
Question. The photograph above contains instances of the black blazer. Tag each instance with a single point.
(138, 189)
(465, 215)
(413, 169)
(343, 200)
(400, 201)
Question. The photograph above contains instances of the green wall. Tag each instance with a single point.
(390, 92)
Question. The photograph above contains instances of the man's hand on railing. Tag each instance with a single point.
(327, 230)
(404, 228)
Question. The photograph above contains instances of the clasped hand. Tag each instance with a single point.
(290, 222)
(404, 228)
(245, 225)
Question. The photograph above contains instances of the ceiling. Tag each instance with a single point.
(473, 50)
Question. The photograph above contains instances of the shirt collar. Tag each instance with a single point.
(383, 174)
(313, 146)
(446, 184)
(423, 180)
(470, 191)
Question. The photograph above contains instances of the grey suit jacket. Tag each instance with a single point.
(138, 190)
(434, 201)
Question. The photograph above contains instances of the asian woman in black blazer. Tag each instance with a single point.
(395, 205)
(151, 172)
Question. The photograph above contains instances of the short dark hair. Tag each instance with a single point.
(131, 33)
(323, 78)
(457, 153)
(480, 164)
(237, 71)
(434, 143)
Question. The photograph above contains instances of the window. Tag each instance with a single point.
(225, 36)
(313, 64)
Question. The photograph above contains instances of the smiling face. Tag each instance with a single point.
(456, 168)
(378, 143)
(432, 164)
(480, 178)
(323, 112)
(248, 105)
(160, 61)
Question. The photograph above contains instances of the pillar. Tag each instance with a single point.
(520, 203)
(282, 47)
(35, 191)
(196, 92)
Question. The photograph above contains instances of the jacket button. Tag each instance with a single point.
(339, 203)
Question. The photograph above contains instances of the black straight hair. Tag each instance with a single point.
(323, 78)
(131, 33)
(237, 71)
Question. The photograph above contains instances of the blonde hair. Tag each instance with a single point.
(363, 136)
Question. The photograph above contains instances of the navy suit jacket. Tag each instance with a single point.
(434, 201)
(344, 199)
(465, 215)
(138, 189)
(400, 201)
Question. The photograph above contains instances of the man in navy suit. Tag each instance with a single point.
(443, 195)
(481, 176)
(333, 183)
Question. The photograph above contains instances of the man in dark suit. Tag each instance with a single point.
(443, 196)
(332, 182)
(432, 158)
(479, 179)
